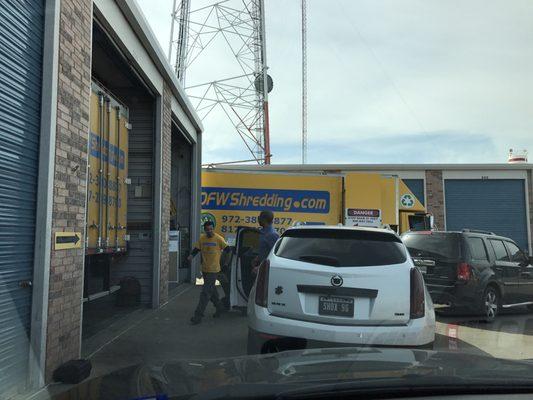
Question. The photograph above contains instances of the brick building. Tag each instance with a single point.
(52, 53)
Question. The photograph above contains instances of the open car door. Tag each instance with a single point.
(242, 279)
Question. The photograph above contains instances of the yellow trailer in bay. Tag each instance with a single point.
(107, 175)
(234, 198)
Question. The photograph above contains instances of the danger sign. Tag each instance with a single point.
(360, 212)
(363, 217)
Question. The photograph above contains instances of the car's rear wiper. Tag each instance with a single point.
(429, 254)
(319, 259)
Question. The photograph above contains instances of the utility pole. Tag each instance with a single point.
(304, 81)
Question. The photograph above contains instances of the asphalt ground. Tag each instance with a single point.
(157, 336)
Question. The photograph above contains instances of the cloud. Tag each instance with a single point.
(449, 78)
(400, 148)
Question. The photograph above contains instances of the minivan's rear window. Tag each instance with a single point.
(433, 244)
(341, 247)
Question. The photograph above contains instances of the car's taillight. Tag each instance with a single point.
(418, 302)
(261, 289)
(464, 272)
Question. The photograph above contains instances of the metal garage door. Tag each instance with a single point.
(417, 187)
(496, 205)
(21, 35)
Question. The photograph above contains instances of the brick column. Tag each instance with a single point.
(435, 196)
(166, 139)
(66, 266)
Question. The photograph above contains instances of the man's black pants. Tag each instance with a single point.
(209, 292)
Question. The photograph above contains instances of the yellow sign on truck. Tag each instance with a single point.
(231, 200)
(108, 171)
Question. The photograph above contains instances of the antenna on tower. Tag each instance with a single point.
(240, 90)
(304, 81)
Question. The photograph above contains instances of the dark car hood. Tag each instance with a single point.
(295, 369)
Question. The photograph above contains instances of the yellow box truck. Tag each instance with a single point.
(234, 198)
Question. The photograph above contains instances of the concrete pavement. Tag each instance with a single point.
(510, 336)
(153, 337)
(157, 336)
(166, 334)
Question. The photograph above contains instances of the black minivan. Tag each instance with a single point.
(474, 271)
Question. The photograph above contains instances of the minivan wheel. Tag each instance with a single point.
(490, 304)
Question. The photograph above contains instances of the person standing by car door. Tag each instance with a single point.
(267, 237)
(210, 246)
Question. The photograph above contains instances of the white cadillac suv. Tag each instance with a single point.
(332, 284)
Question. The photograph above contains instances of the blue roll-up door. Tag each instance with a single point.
(21, 43)
(496, 205)
(417, 187)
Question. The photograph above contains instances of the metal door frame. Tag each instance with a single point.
(157, 201)
(45, 185)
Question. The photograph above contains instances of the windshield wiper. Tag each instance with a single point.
(416, 253)
(408, 386)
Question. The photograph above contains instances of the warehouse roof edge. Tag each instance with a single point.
(366, 167)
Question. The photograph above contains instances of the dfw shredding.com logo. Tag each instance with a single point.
(251, 199)
(407, 201)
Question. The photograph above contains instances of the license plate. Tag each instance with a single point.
(336, 306)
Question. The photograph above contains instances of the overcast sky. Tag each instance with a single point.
(389, 81)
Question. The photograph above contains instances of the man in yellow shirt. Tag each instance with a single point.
(210, 246)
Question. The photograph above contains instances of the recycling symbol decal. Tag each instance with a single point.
(208, 217)
(407, 201)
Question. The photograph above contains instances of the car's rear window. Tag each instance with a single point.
(341, 248)
(434, 245)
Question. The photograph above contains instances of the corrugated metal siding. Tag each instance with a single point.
(496, 205)
(417, 187)
(21, 36)
(139, 260)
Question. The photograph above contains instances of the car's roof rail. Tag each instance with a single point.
(478, 231)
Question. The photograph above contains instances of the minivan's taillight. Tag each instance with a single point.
(261, 289)
(464, 272)
(418, 302)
